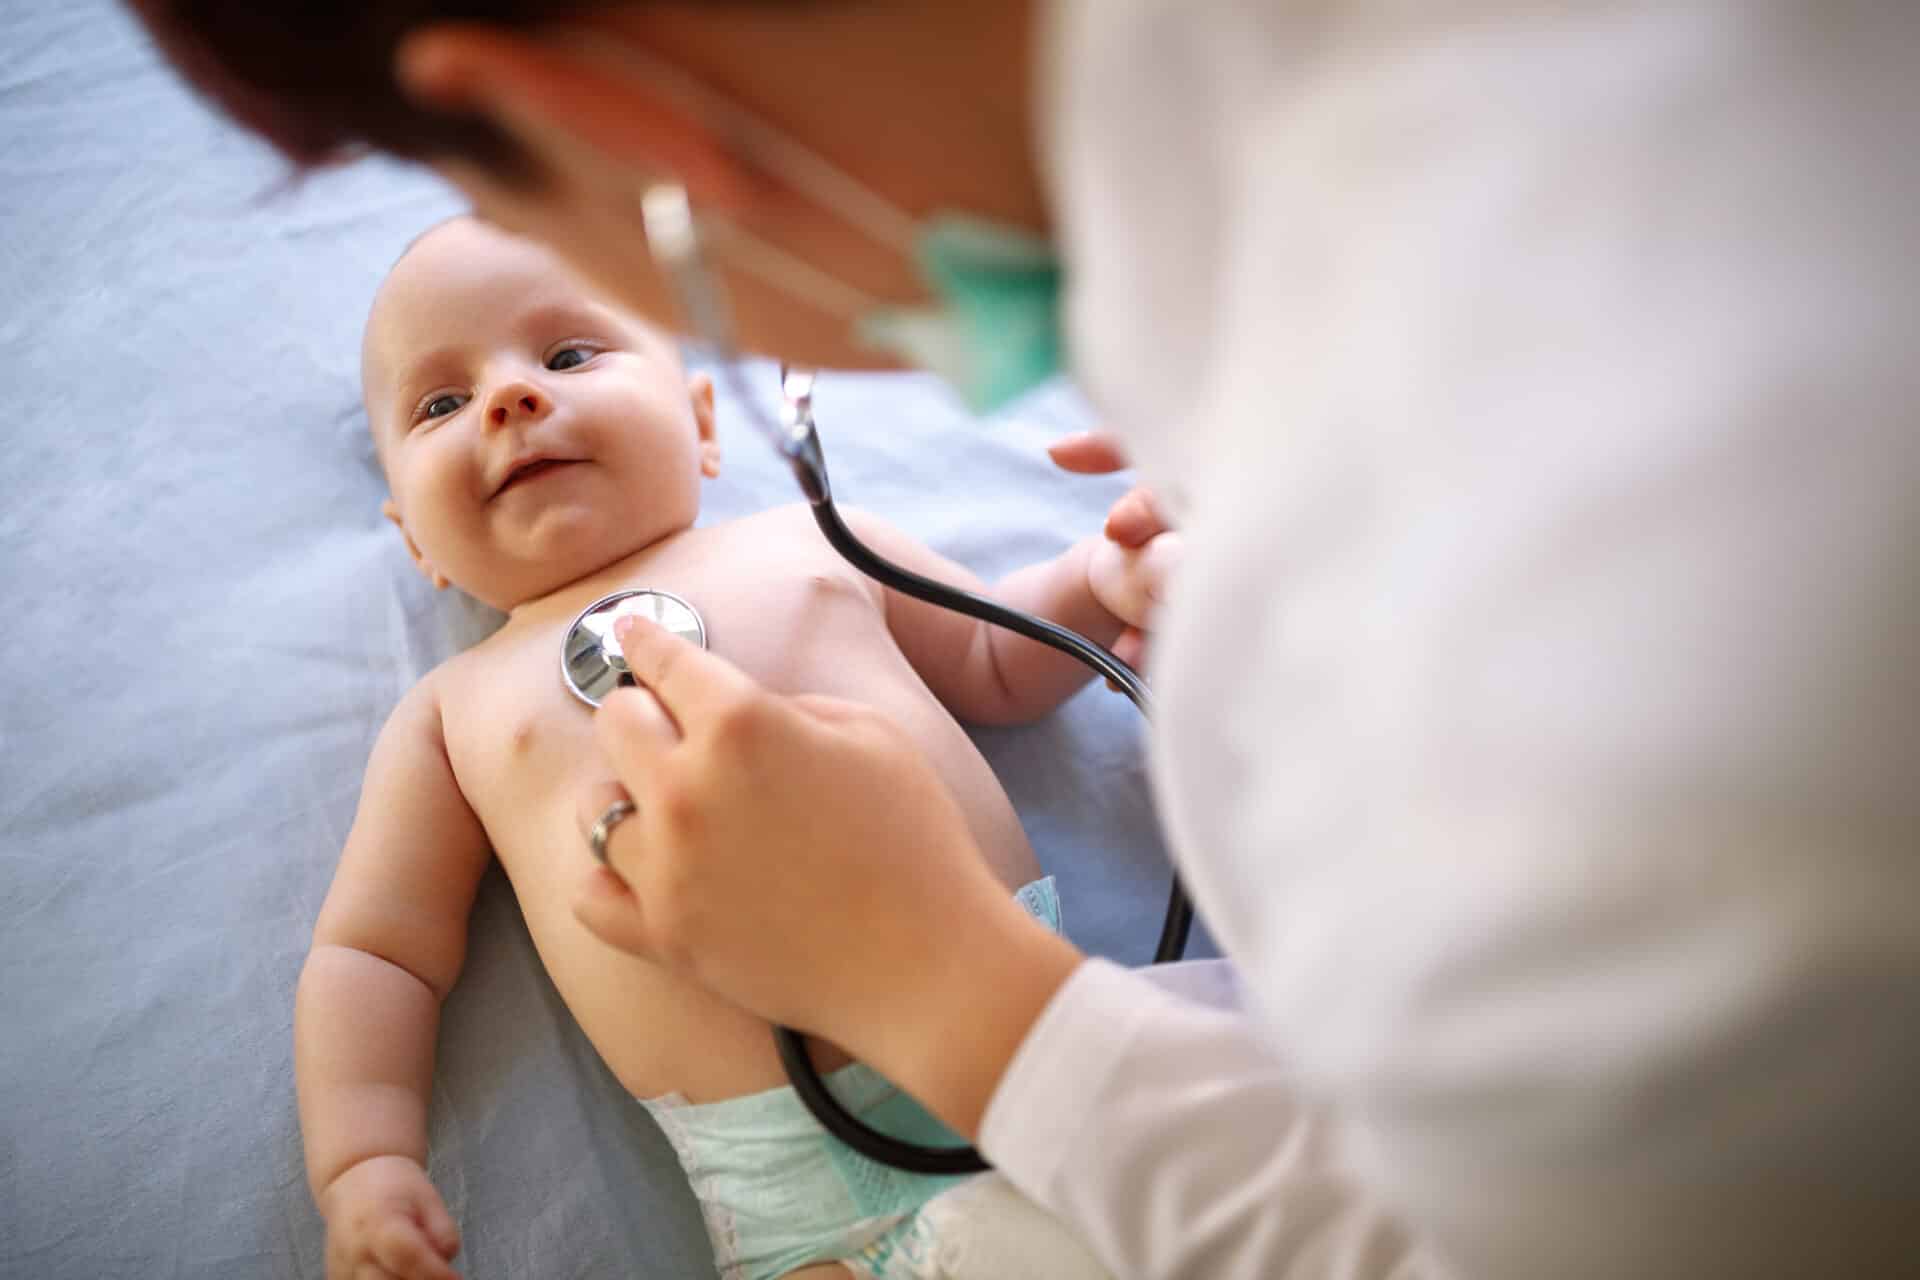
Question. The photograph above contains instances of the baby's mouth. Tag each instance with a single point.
(532, 471)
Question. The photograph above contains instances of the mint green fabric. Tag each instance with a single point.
(996, 332)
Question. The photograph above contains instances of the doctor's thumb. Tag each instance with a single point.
(611, 912)
(1092, 453)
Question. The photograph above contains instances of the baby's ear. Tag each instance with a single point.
(420, 561)
(700, 394)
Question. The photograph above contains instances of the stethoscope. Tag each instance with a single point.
(591, 664)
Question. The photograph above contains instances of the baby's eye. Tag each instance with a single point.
(441, 406)
(569, 358)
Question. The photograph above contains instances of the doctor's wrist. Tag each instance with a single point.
(966, 1023)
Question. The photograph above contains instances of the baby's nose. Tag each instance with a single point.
(517, 403)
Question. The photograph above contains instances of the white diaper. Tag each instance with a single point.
(982, 1229)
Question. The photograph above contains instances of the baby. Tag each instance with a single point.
(543, 450)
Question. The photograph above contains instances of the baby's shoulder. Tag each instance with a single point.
(420, 705)
(454, 682)
(446, 703)
(787, 542)
(784, 516)
(780, 531)
(414, 731)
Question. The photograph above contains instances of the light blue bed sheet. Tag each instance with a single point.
(206, 622)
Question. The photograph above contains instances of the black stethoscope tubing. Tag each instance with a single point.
(809, 466)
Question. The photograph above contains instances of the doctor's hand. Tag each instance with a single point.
(1130, 570)
(800, 858)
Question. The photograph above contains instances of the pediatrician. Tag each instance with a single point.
(1535, 385)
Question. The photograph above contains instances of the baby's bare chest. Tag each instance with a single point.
(523, 746)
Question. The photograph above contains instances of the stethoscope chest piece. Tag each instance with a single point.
(591, 663)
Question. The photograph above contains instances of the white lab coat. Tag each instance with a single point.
(1539, 385)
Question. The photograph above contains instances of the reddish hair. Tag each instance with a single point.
(315, 77)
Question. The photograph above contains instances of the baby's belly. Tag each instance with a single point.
(658, 1033)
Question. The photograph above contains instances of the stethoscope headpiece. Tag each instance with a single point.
(591, 664)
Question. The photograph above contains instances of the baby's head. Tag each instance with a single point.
(530, 434)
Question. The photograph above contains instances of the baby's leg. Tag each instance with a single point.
(823, 1271)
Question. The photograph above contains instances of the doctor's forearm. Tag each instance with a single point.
(1177, 1146)
(993, 975)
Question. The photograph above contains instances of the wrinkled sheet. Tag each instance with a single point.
(206, 622)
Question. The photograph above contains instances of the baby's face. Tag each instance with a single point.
(530, 434)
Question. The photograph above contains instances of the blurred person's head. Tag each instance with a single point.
(554, 117)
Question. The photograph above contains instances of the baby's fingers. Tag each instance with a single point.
(1129, 582)
(441, 1229)
(401, 1246)
(1159, 560)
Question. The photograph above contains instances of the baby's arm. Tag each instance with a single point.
(388, 946)
(986, 674)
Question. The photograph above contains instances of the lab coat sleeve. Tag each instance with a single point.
(1171, 1139)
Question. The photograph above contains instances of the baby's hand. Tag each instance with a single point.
(386, 1222)
(1128, 581)
(1129, 571)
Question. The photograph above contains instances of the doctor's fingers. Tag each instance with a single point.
(603, 898)
(1136, 517)
(608, 908)
(696, 688)
(634, 731)
(594, 803)
(1090, 453)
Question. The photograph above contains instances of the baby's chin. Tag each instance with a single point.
(559, 550)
